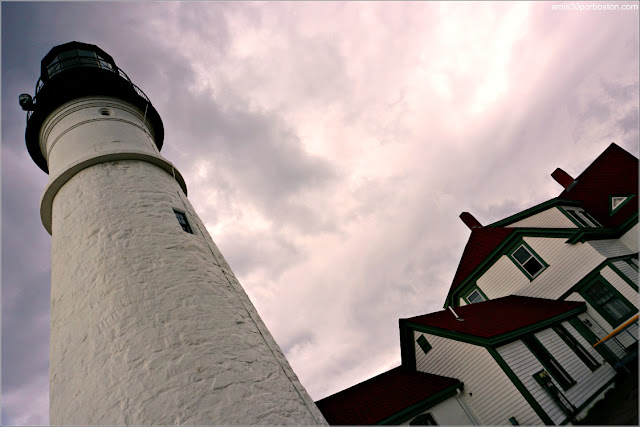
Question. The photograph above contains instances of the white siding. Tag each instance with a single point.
(598, 325)
(583, 342)
(568, 264)
(628, 271)
(502, 278)
(610, 248)
(630, 239)
(619, 283)
(587, 382)
(462, 302)
(524, 364)
(488, 391)
(550, 218)
(447, 413)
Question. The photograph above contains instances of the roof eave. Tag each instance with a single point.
(497, 339)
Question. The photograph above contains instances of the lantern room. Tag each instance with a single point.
(76, 70)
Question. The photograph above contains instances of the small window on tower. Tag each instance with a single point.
(182, 219)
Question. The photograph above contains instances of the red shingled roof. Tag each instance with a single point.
(495, 317)
(614, 172)
(377, 398)
(481, 243)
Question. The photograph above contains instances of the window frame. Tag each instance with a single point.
(575, 214)
(424, 343)
(549, 363)
(533, 254)
(186, 227)
(613, 210)
(590, 218)
(599, 307)
(576, 347)
(473, 289)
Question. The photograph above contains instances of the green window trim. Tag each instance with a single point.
(543, 378)
(549, 362)
(612, 294)
(519, 258)
(521, 388)
(613, 210)
(591, 338)
(579, 217)
(591, 218)
(576, 347)
(424, 344)
(473, 289)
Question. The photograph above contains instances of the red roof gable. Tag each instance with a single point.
(481, 243)
(377, 398)
(495, 317)
(614, 172)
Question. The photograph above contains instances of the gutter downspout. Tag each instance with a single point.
(464, 407)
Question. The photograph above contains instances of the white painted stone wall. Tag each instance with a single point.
(149, 325)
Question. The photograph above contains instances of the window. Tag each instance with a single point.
(76, 58)
(513, 421)
(591, 218)
(475, 296)
(528, 262)
(424, 344)
(578, 218)
(582, 217)
(618, 201)
(423, 420)
(182, 219)
(576, 347)
(608, 302)
(549, 363)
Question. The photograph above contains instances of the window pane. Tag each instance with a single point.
(424, 344)
(522, 255)
(577, 217)
(532, 266)
(67, 54)
(475, 296)
(182, 220)
(616, 309)
(590, 218)
(86, 53)
(599, 293)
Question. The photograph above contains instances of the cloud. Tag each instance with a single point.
(328, 148)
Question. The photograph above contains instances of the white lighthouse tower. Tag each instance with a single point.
(149, 325)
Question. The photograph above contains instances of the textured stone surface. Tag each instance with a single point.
(148, 323)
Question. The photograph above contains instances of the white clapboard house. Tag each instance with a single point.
(541, 315)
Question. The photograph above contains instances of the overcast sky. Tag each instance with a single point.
(329, 149)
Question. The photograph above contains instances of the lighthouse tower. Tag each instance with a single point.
(149, 325)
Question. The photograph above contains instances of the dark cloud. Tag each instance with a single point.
(337, 272)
